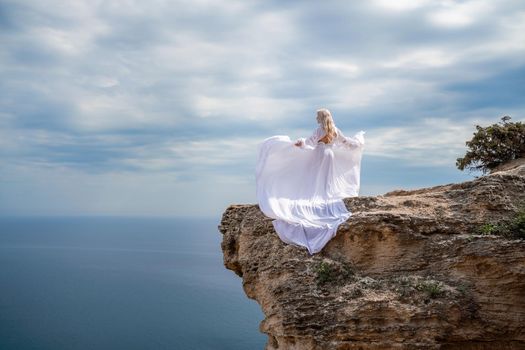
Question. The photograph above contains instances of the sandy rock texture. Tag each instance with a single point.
(408, 270)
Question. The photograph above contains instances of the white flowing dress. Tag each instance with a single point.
(302, 187)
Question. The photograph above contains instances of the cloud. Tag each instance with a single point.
(431, 142)
(182, 91)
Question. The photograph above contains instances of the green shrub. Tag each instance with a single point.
(513, 228)
(337, 273)
(433, 289)
(347, 271)
(517, 225)
(325, 272)
(494, 145)
(488, 229)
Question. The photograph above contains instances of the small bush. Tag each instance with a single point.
(325, 272)
(494, 145)
(347, 271)
(337, 273)
(496, 229)
(517, 225)
(488, 229)
(513, 228)
(433, 289)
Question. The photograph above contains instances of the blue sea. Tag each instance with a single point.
(120, 283)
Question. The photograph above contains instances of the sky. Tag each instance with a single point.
(155, 108)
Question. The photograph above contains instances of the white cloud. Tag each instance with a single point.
(453, 14)
(395, 91)
(401, 5)
(507, 41)
(430, 142)
(422, 59)
(190, 155)
(254, 108)
(339, 67)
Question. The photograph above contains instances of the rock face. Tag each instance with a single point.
(408, 270)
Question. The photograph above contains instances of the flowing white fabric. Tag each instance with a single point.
(302, 187)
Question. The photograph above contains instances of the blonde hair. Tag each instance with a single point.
(324, 117)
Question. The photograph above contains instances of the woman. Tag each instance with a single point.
(301, 184)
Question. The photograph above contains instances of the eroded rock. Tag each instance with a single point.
(408, 270)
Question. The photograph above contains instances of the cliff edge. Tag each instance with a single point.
(408, 270)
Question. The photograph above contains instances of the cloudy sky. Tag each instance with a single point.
(156, 107)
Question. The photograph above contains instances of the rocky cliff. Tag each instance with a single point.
(408, 270)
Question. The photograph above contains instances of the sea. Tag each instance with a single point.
(120, 283)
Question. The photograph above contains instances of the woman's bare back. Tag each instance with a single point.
(324, 139)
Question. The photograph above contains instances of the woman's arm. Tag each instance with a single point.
(357, 140)
(311, 141)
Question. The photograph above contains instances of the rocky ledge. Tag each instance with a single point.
(408, 270)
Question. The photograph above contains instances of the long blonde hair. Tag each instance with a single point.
(324, 117)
